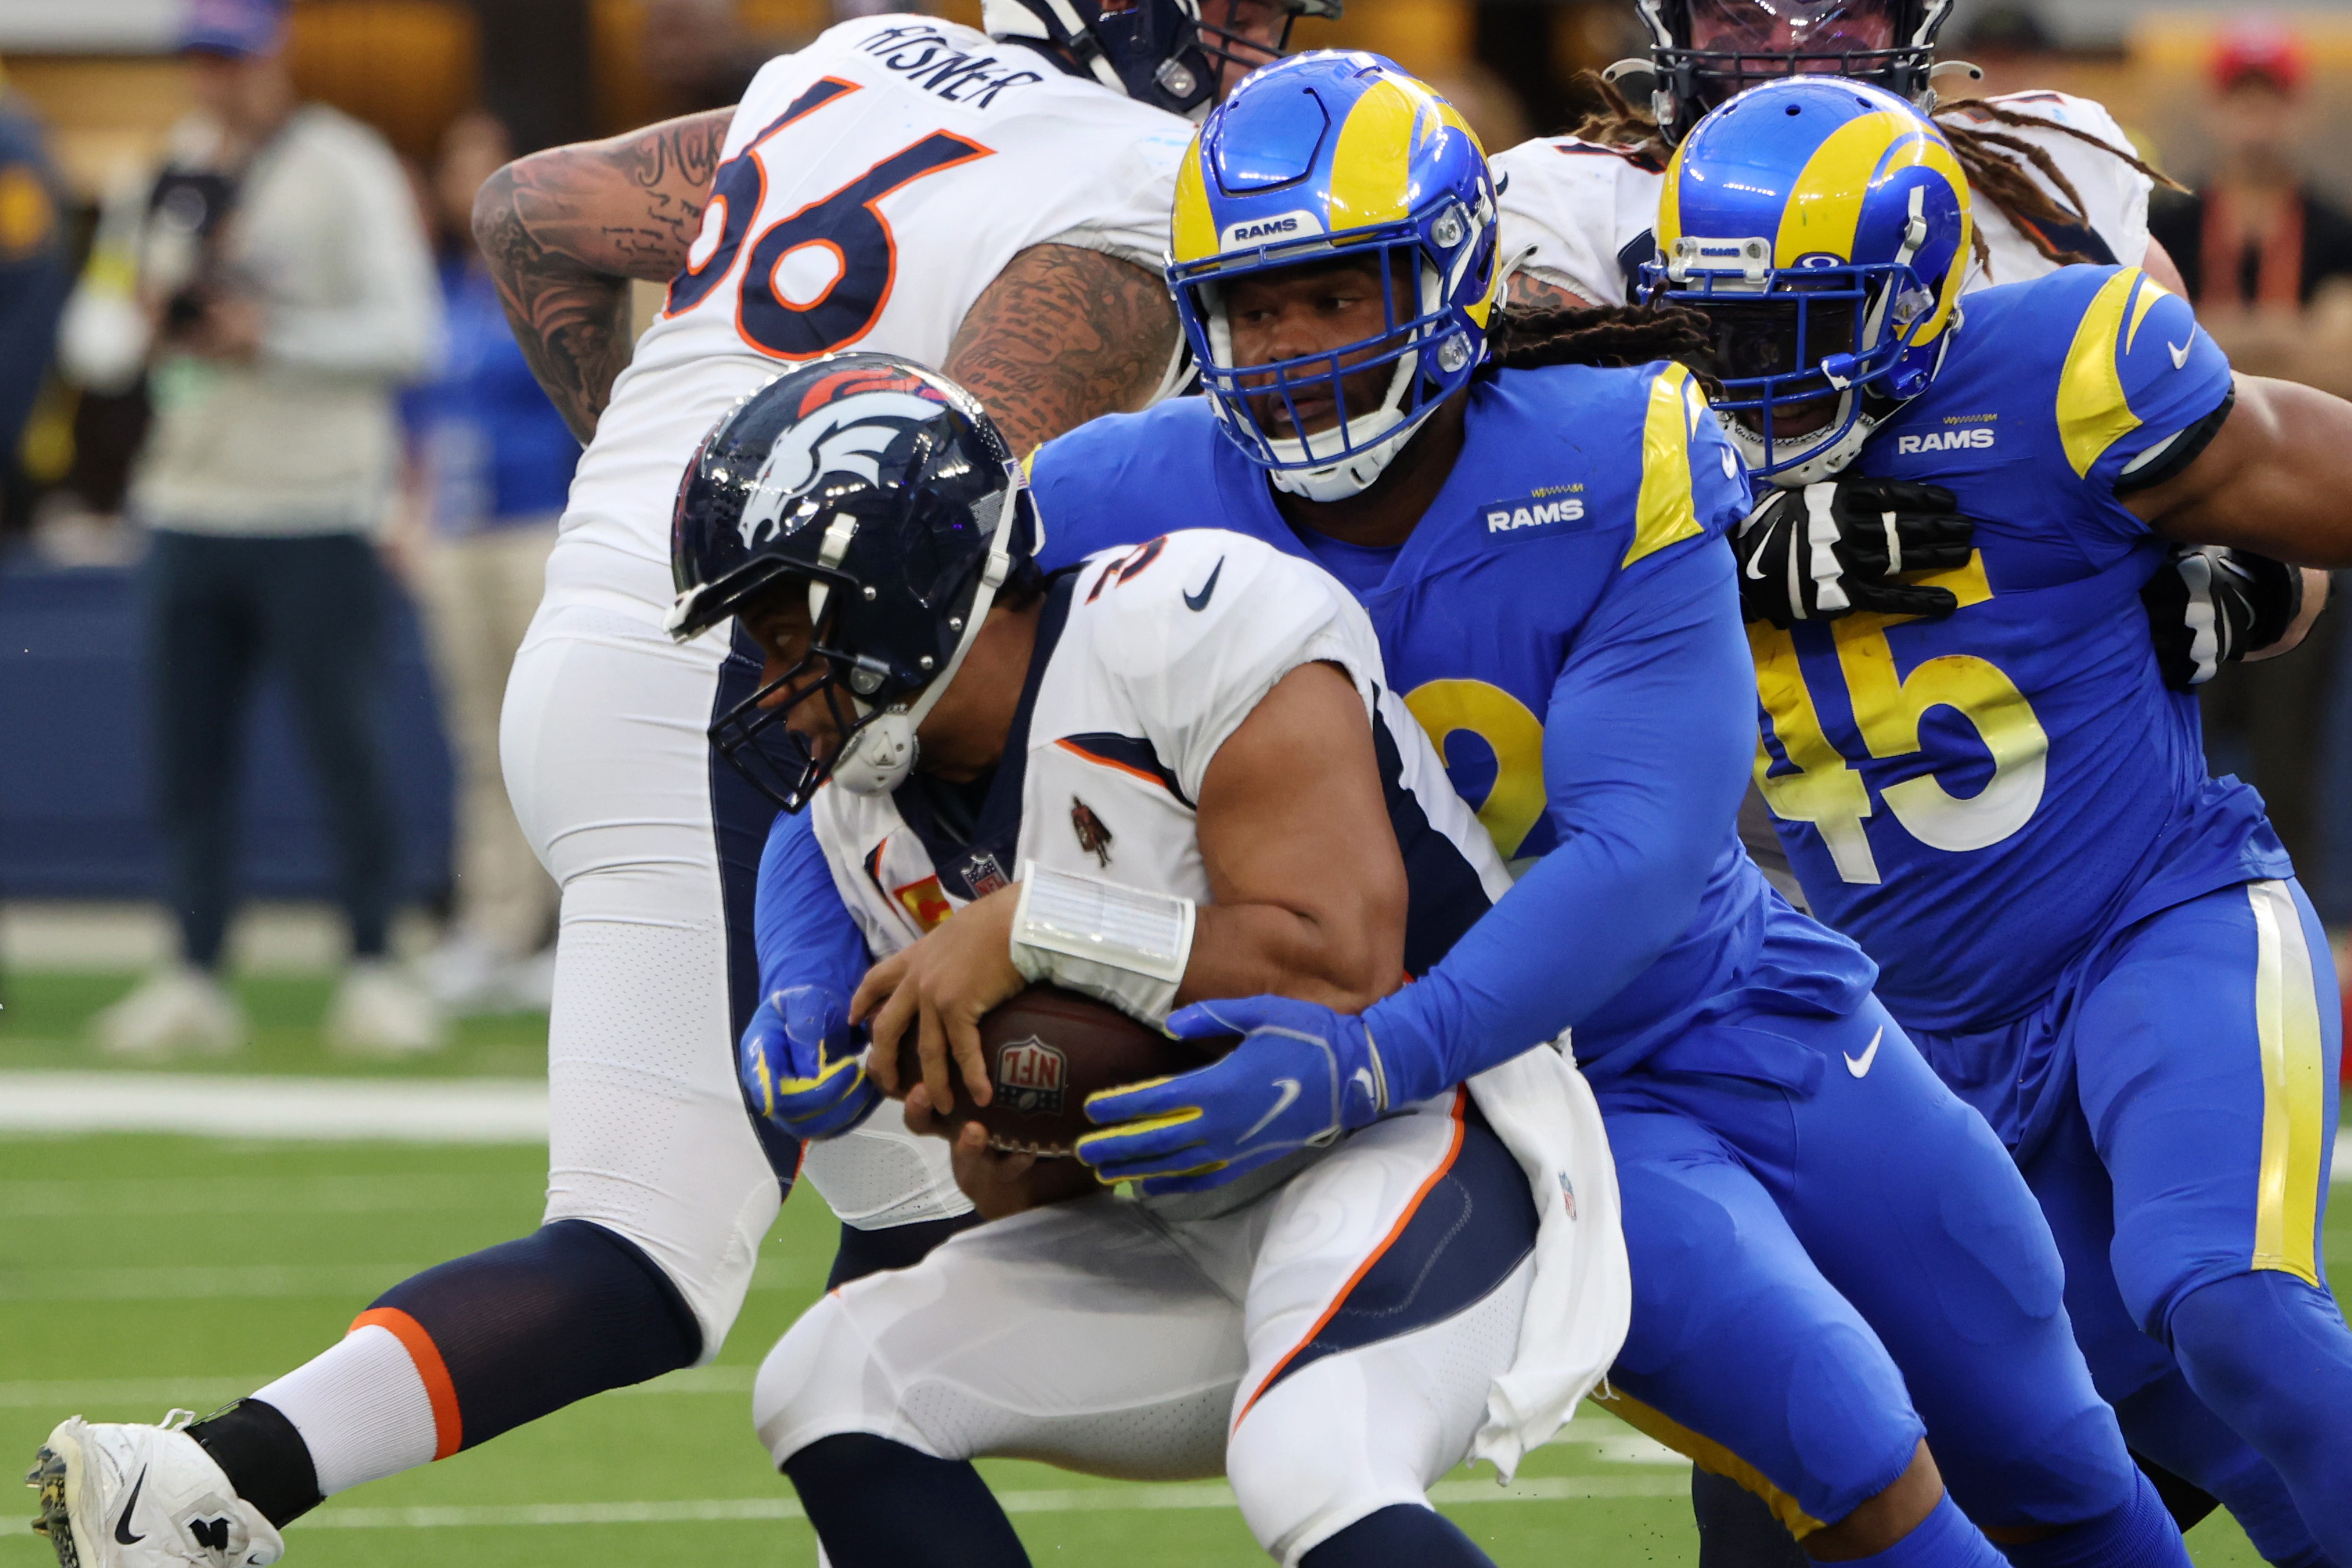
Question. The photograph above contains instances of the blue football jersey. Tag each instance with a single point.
(1570, 481)
(1976, 799)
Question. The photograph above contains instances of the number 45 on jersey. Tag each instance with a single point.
(1817, 784)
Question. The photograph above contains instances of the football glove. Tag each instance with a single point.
(804, 1066)
(1830, 549)
(1301, 1076)
(2210, 604)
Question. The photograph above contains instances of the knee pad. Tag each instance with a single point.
(819, 1382)
(1309, 1459)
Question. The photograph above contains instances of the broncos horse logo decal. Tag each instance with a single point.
(847, 423)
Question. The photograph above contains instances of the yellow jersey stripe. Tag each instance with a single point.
(2150, 291)
(1370, 167)
(1706, 1454)
(2294, 1088)
(1665, 513)
(2092, 412)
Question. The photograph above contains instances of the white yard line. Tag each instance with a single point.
(1075, 1499)
(431, 1111)
(413, 1110)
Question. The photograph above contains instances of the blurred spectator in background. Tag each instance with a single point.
(34, 281)
(274, 288)
(2256, 246)
(2268, 264)
(493, 462)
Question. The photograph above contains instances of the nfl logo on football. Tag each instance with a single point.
(1030, 1073)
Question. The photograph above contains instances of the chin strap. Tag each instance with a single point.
(882, 753)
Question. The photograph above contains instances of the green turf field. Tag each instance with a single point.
(137, 1273)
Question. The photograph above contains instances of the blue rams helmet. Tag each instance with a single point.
(1165, 53)
(1821, 226)
(1337, 156)
(883, 492)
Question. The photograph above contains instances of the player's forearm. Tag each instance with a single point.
(1345, 963)
(564, 230)
(1064, 335)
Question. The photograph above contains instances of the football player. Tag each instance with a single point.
(993, 202)
(2102, 948)
(2056, 184)
(1832, 1258)
(1189, 756)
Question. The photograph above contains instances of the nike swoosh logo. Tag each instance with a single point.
(2179, 353)
(1861, 1069)
(1289, 1091)
(1200, 600)
(1754, 575)
(123, 1525)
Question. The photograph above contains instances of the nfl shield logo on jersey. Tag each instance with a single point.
(1030, 1075)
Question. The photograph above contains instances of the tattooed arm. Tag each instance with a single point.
(564, 232)
(1538, 290)
(1064, 335)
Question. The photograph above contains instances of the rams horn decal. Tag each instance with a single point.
(849, 437)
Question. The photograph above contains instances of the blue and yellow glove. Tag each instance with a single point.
(804, 1066)
(1301, 1076)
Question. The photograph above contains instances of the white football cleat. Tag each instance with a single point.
(171, 1012)
(379, 1011)
(120, 1496)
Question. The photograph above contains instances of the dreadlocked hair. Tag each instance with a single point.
(1994, 161)
(2000, 178)
(1526, 338)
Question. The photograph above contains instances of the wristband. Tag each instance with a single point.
(1125, 945)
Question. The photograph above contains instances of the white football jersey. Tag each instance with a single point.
(874, 184)
(1587, 211)
(1148, 659)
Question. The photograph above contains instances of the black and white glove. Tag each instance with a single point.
(2210, 604)
(1830, 549)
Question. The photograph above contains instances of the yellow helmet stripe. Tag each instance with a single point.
(1372, 170)
(1670, 204)
(1196, 227)
(1932, 151)
(1823, 208)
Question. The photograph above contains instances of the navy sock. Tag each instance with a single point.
(880, 1504)
(2138, 1534)
(2271, 1354)
(1945, 1539)
(530, 1326)
(1402, 1533)
(2172, 1427)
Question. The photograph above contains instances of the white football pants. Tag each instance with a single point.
(606, 759)
(1103, 1337)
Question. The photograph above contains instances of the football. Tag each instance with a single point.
(1047, 1049)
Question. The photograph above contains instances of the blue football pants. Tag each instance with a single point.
(2205, 1044)
(1833, 1257)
